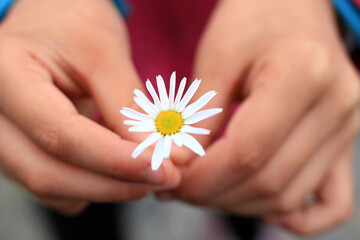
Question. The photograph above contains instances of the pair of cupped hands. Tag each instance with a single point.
(290, 140)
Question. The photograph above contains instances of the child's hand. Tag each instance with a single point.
(52, 52)
(291, 137)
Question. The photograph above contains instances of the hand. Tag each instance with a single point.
(334, 202)
(52, 52)
(291, 135)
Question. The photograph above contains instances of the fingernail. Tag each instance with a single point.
(165, 196)
(155, 177)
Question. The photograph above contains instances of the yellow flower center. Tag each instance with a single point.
(169, 122)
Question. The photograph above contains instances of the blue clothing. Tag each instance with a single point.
(4, 7)
(350, 14)
(123, 6)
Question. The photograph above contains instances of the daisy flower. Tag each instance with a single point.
(168, 118)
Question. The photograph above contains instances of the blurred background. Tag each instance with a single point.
(23, 218)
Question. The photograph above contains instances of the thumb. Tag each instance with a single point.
(226, 89)
(112, 86)
(182, 156)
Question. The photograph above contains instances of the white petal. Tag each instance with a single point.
(200, 103)
(146, 143)
(192, 144)
(172, 90)
(177, 139)
(153, 94)
(158, 155)
(131, 113)
(139, 123)
(162, 92)
(189, 94)
(199, 116)
(167, 146)
(143, 105)
(142, 128)
(179, 93)
(132, 122)
(148, 106)
(194, 130)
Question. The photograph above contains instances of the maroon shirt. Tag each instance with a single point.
(164, 35)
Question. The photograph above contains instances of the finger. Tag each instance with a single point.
(277, 102)
(330, 113)
(334, 202)
(117, 91)
(304, 182)
(225, 97)
(48, 177)
(66, 207)
(52, 122)
(182, 156)
(112, 86)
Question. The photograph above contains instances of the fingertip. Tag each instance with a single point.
(181, 156)
(67, 207)
(177, 177)
(172, 174)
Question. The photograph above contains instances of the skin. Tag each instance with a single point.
(51, 57)
(292, 135)
(290, 138)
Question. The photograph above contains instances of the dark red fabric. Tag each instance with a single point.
(164, 35)
(357, 3)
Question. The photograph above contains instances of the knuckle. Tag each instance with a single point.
(312, 55)
(316, 58)
(50, 138)
(314, 63)
(303, 54)
(248, 158)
